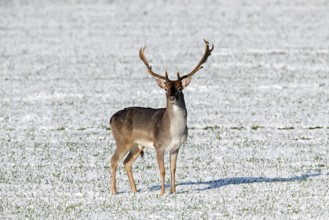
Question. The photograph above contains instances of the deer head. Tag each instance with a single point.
(174, 88)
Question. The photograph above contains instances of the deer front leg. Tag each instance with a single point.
(173, 160)
(160, 158)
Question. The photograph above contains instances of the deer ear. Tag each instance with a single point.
(186, 82)
(161, 83)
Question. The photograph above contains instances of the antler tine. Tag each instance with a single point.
(166, 76)
(149, 68)
(178, 76)
(204, 58)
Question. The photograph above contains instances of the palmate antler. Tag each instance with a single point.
(149, 67)
(204, 58)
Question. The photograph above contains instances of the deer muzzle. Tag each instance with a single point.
(172, 98)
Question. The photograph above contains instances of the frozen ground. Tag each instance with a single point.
(258, 112)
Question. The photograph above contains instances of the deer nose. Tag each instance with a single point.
(172, 98)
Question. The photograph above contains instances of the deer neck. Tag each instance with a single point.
(176, 123)
(176, 111)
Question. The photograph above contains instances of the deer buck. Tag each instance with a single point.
(162, 129)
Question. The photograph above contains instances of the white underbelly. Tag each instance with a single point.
(145, 143)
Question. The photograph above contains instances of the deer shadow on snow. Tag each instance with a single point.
(214, 184)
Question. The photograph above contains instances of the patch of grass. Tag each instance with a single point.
(237, 128)
(287, 128)
(72, 208)
(3, 178)
(256, 127)
(211, 127)
(103, 126)
(315, 127)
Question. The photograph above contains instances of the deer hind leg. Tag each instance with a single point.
(128, 162)
(119, 153)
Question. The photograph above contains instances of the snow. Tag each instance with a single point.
(257, 112)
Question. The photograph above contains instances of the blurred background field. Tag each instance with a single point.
(257, 113)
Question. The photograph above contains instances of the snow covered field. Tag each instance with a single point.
(258, 113)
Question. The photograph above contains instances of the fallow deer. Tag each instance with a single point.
(162, 129)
